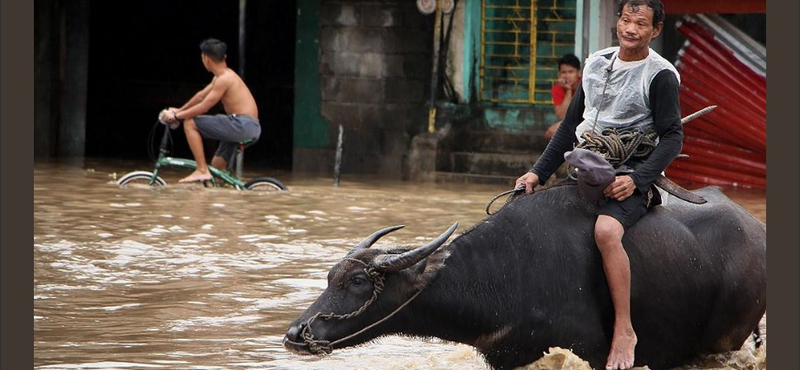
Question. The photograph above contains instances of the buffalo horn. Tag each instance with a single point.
(397, 262)
(370, 240)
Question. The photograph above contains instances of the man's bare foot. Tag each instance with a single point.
(196, 176)
(622, 349)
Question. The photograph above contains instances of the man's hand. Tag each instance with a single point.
(566, 85)
(166, 116)
(621, 188)
(530, 180)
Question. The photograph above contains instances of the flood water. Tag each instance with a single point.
(186, 277)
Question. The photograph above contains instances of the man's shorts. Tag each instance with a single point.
(630, 210)
(230, 130)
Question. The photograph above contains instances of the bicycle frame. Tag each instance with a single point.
(166, 161)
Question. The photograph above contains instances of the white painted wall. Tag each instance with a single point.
(601, 17)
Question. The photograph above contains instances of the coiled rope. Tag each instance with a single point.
(618, 146)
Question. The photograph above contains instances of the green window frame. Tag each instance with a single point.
(521, 42)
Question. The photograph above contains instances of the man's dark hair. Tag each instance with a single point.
(656, 5)
(571, 60)
(214, 48)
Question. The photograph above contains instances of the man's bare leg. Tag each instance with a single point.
(219, 163)
(608, 235)
(196, 145)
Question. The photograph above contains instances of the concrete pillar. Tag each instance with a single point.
(242, 33)
(422, 158)
(75, 72)
(45, 78)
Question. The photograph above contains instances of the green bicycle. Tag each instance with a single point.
(231, 176)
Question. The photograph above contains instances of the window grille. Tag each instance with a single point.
(521, 41)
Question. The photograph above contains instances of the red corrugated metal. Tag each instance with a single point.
(694, 173)
(723, 125)
(726, 83)
(737, 160)
(727, 146)
(715, 6)
(702, 42)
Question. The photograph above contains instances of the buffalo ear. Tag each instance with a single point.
(397, 262)
(419, 268)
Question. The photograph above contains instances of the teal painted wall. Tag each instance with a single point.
(310, 128)
(472, 45)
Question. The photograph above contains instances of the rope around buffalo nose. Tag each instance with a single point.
(378, 278)
(317, 346)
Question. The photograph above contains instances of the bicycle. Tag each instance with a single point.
(231, 176)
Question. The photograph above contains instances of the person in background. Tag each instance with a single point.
(569, 77)
(239, 124)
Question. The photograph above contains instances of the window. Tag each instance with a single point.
(521, 41)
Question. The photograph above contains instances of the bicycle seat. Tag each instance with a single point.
(247, 143)
(238, 156)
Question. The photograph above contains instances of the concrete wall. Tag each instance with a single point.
(61, 49)
(375, 70)
(46, 62)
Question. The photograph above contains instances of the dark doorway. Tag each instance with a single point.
(144, 56)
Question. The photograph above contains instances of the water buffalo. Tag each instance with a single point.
(529, 277)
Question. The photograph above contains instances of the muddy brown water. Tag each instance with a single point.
(186, 277)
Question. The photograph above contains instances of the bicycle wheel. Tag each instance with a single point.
(140, 179)
(265, 183)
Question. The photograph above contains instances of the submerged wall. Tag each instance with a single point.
(374, 80)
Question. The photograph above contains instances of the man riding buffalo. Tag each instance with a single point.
(624, 89)
(517, 284)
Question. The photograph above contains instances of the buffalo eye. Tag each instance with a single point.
(357, 281)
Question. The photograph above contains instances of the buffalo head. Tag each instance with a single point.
(367, 287)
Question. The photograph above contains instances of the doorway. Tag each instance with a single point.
(144, 56)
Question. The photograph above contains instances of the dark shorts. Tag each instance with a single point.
(230, 130)
(630, 210)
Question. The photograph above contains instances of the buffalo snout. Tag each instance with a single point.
(293, 340)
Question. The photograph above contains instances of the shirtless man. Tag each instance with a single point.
(240, 123)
